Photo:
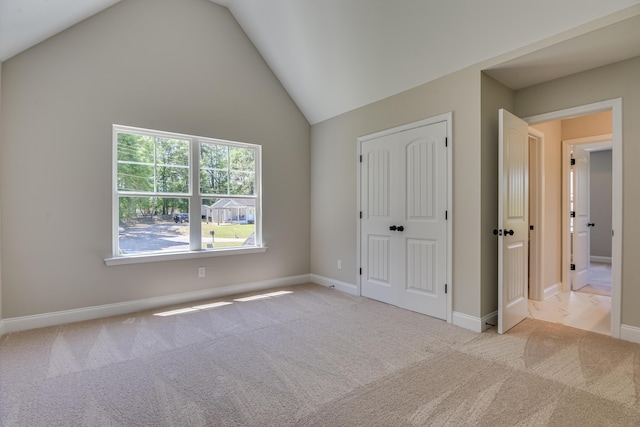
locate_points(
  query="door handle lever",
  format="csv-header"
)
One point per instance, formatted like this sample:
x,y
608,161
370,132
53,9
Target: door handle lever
x,y
400,228
497,232
508,232
590,224
393,228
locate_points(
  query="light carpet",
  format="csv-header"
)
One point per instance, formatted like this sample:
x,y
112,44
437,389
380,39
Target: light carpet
x,y
311,356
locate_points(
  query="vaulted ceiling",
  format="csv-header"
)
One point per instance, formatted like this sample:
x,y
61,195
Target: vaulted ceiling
x,y
333,56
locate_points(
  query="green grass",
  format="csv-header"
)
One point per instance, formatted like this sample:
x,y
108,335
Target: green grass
x,y
230,231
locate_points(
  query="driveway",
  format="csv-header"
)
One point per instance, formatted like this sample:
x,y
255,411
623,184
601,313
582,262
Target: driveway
x,y
163,236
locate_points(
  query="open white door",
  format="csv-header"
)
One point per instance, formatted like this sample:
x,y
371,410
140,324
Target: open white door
x,y
581,253
513,220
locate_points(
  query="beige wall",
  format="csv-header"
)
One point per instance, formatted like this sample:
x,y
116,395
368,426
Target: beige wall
x,y
600,181
589,125
618,80
494,97
334,179
177,65
552,251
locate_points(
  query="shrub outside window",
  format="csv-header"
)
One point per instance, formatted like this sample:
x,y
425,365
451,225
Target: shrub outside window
x,y
178,193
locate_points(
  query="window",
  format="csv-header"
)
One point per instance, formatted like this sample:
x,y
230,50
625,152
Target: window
x,y
178,194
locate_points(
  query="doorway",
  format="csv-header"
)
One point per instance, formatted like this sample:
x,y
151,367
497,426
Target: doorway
x,y
590,311
588,201
508,301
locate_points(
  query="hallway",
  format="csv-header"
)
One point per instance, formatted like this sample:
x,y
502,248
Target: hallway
x,y
588,309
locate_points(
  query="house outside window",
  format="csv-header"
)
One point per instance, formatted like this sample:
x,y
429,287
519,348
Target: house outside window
x,y
175,193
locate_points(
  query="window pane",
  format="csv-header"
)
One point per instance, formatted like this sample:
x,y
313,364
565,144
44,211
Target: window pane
x,y
172,152
172,165
135,162
242,183
228,223
214,169
135,148
135,177
172,179
153,224
242,159
214,181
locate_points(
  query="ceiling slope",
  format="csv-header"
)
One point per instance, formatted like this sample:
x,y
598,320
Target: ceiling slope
x,y
25,23
333,56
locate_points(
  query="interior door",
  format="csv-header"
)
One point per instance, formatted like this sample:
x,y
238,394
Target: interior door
x,y
379,205
581,252
403,226
513,221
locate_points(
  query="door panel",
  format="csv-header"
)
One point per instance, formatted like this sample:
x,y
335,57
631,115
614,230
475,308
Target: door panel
x,y
581,242
404,181
422,266
513,220
377,192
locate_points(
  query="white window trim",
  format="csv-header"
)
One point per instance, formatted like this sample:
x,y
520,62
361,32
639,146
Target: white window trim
x,y
194,197
176,256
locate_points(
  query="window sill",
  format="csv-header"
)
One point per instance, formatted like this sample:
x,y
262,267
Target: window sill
x,y
175,256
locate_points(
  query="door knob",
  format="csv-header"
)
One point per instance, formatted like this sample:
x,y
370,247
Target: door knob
x,y
590,224
393,228
497,232
508,232
400,228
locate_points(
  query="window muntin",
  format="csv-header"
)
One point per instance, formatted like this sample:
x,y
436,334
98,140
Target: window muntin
x,y
153,194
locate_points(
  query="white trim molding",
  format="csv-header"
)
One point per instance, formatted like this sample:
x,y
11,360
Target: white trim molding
x,y
88,313
630,333
473,323
552,290
345,287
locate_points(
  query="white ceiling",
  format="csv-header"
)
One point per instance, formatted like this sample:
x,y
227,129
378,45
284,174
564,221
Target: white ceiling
x,y
336,55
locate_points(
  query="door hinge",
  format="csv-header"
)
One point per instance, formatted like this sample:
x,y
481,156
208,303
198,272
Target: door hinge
x,y
360,214
446,141
531,227
445,288
446,215
361,271
573,162
360,158
573,267
573,214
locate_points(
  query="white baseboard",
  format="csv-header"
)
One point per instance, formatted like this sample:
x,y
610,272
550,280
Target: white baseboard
x,y
337,284
602,259
551,291
630,333
475,324
87,313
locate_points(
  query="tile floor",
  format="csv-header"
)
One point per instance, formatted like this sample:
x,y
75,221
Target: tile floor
x,y
578,309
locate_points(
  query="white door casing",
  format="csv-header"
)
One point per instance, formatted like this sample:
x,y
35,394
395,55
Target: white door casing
x,y
513,221
404,234
536,215
580,235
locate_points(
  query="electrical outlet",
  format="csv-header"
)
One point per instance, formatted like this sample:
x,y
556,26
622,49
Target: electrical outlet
x,y
201,272
339,264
